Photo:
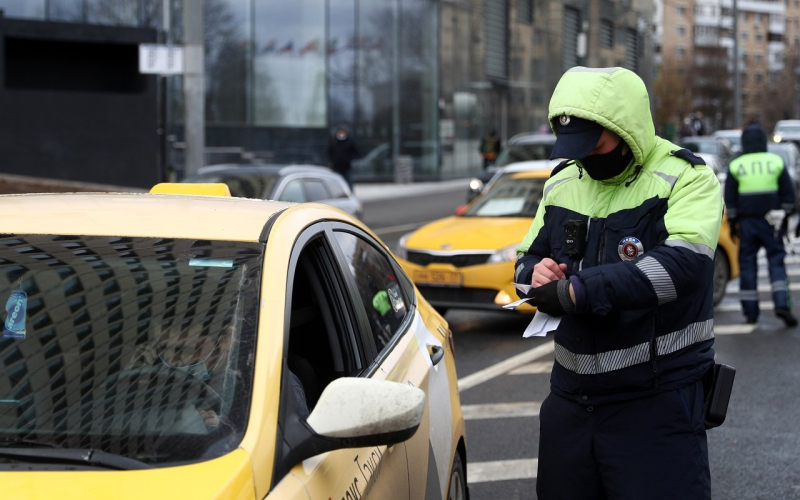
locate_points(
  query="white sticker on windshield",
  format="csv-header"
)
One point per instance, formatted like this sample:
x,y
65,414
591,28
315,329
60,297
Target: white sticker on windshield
x,y
502,206
211,262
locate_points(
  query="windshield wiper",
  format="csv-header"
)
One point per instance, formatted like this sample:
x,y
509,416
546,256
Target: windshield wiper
x,y
45,452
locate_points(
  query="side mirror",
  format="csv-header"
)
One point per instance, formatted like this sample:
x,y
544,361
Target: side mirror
x,y
461,209
353,413
366,412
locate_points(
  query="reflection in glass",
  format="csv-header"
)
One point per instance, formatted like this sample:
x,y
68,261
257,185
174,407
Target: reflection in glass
x,y
289,63
227,44
23,9
66,10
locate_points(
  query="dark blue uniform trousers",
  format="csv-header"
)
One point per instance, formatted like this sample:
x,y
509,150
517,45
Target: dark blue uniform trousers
x,y
755,232
649,448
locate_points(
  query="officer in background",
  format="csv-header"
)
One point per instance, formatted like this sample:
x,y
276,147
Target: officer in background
x,y
759,195
622,249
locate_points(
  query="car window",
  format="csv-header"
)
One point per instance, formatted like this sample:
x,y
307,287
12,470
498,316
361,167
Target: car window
x,y
335,190
139,347
293,191
377,285
509,198
788,128
316,191
524,152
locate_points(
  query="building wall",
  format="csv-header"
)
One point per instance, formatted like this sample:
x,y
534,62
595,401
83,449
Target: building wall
x,y
74,105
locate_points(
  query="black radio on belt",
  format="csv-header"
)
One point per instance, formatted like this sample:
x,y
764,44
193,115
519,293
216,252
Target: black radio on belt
x,y
575,238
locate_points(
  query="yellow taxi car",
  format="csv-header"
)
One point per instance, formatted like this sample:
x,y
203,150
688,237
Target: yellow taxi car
x,y
467,260
187,346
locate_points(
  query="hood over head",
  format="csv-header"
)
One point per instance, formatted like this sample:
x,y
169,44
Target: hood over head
x,y
754,139
615,98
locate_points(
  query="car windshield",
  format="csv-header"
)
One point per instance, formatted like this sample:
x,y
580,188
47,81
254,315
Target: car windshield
x,y
790,129
510,198
242,185
139,347
523,152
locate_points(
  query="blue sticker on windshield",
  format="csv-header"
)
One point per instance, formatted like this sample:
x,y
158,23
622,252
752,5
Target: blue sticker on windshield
x,y
211,262
16,309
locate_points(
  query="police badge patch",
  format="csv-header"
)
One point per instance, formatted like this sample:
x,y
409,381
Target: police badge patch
x,y
629,248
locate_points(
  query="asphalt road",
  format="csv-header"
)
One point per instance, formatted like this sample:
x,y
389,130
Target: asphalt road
x,y
755,454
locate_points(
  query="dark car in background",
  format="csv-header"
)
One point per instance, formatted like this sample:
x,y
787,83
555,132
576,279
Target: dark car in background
x,y
295,183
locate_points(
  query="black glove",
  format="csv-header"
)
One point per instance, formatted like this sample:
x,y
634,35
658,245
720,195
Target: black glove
x,y
785,226
552,298
733,226
797,230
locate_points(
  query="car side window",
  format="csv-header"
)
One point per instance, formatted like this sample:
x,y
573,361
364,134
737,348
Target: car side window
x,y
316,191
334,189
377,285
293,191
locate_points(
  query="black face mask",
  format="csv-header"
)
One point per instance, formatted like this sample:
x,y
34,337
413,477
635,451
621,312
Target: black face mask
x,y
608,165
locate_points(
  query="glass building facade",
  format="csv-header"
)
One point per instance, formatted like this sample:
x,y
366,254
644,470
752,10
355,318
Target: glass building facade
x,y
280,76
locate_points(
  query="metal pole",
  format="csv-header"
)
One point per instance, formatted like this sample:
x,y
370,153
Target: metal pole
x,y
395,83
193,86
164,96
737,94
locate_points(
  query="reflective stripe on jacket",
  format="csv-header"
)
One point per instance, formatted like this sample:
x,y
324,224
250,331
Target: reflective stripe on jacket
x,y
648,266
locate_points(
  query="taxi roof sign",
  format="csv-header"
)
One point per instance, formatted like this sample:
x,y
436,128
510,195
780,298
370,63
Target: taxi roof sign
x,y
202,189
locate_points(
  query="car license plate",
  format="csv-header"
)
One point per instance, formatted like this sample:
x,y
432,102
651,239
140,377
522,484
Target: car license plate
x,y
442,278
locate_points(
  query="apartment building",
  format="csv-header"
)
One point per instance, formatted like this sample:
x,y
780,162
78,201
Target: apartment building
x,y
501,59
695,40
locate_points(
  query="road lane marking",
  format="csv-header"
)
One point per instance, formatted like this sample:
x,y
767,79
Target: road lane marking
x,y
502,470
399,228
505,366
736,307
734,288
501,410
733,329
533,368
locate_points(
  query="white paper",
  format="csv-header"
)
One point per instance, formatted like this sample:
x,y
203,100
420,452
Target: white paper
x,y
541,324
522,288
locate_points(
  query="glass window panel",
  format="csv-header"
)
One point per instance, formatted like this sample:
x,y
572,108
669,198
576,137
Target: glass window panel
x,y
113,12
377,286
23,9
289,64
316,191
372,45
341,55
293,192
334,189
66,10
227,47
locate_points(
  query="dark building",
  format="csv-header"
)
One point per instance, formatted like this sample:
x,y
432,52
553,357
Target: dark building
x,y
74,104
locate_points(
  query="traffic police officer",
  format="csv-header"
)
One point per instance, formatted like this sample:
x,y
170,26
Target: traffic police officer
x,y
758,188
622,248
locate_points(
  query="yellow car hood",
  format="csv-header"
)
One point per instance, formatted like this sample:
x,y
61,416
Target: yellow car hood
x,y
470,233
228,477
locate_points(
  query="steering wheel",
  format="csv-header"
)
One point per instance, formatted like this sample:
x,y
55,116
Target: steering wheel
x,y
147,374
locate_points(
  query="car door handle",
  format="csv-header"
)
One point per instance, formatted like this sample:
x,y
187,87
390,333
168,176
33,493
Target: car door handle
x,y
436,352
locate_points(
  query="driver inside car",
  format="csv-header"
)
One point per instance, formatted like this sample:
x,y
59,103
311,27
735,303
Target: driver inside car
x,y
194,351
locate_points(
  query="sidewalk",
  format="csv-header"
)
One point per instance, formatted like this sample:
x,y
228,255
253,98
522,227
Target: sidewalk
x,y
372,192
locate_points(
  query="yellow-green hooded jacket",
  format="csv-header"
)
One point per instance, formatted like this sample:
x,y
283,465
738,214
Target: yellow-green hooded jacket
x,y
644,317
